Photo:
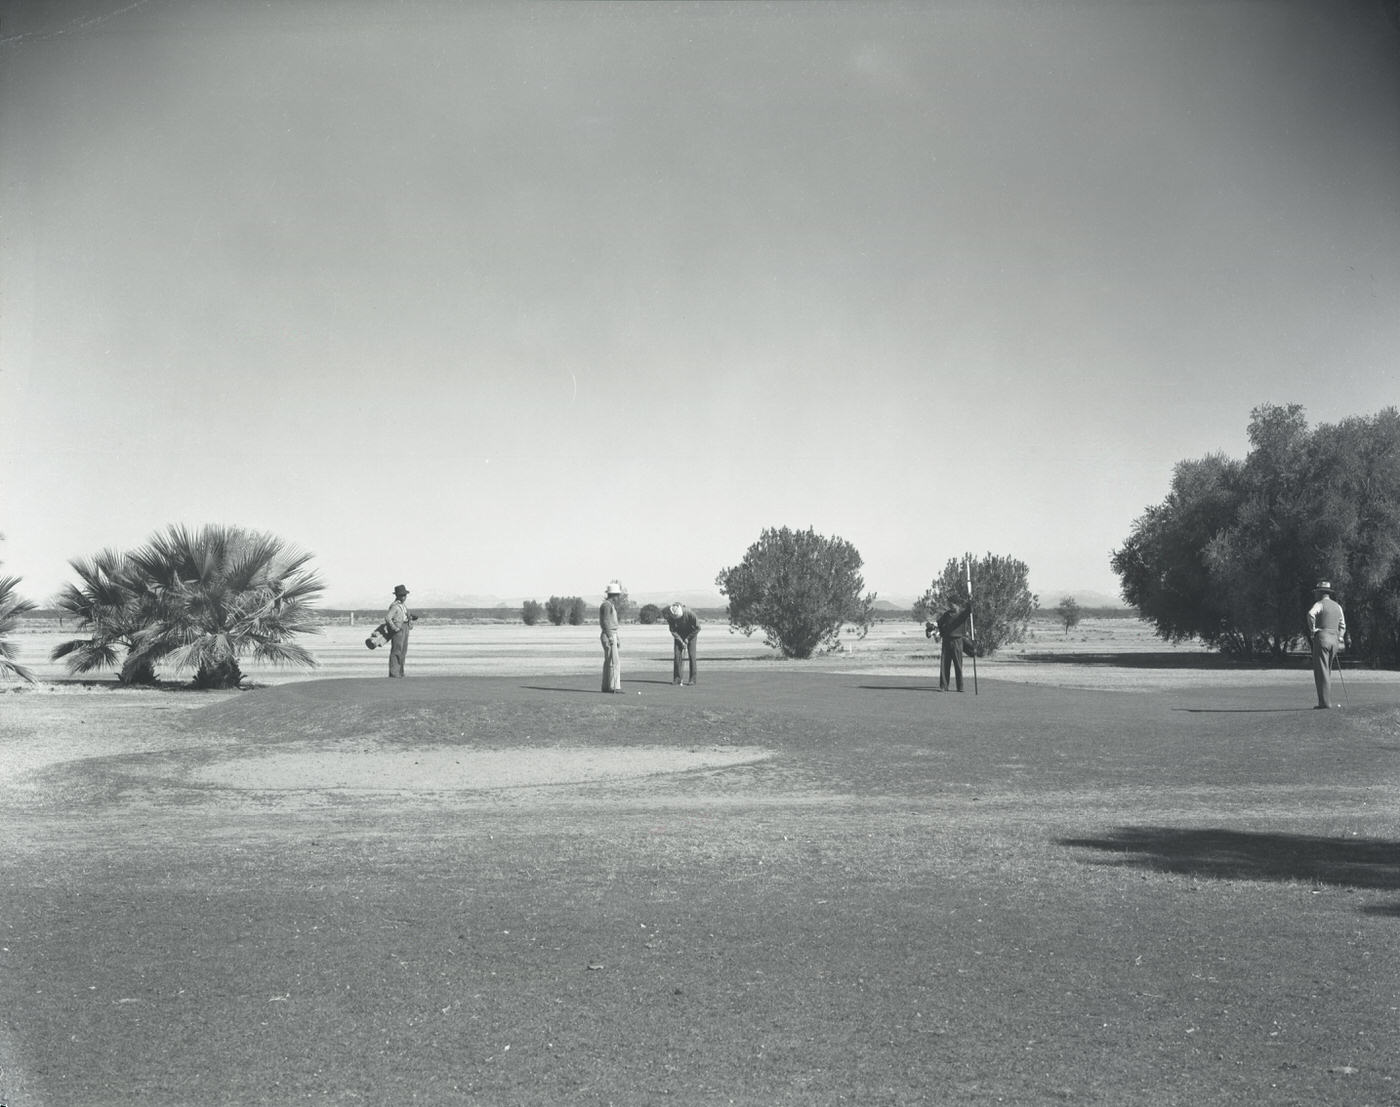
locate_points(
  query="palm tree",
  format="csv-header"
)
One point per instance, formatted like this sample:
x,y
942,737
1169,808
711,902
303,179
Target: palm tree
x,y
222,593
12,607
113,603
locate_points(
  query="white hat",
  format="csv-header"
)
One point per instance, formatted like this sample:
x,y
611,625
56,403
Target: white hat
x,y
614,588
676,609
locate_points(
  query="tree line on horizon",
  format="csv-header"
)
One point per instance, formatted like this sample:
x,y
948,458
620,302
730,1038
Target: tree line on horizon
x,y
201,600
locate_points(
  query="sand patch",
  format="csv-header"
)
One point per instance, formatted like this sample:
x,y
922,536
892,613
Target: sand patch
x,y
372,768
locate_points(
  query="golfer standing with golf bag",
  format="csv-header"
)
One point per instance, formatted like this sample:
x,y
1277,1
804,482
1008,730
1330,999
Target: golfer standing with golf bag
x,y
398,622
1327,627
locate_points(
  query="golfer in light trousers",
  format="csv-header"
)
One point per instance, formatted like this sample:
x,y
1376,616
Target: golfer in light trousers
x,y
612,654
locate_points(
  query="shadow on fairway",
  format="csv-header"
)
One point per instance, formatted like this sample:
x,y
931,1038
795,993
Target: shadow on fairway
x,y
898,687
1240,855
546,688
1241,710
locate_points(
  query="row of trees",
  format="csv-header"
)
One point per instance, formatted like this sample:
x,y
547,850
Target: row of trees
x,y
202,600
801,588
573,610
1231,556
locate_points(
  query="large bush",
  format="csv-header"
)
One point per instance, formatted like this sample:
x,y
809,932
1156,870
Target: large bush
x,y
1003,603
196,600
799,588
531,612
1231,555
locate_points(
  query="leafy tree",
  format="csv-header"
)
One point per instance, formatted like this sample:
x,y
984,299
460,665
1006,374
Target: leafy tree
x,y
531,612
1069,613
112,602
623,605
1004,602
1162,565
649,614
223,593
799,588
1259,555
1231,555
1354,502
578,611
556,609
12,608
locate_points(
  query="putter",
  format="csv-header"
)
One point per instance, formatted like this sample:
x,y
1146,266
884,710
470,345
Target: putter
x,y
1346,698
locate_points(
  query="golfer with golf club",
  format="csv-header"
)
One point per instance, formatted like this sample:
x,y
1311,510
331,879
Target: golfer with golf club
x,y
685,629
1327,627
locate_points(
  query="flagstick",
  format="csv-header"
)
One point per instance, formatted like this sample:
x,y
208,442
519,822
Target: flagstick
x,y
972,625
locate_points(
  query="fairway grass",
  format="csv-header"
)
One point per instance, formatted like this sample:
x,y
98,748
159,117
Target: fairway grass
x,y
784,886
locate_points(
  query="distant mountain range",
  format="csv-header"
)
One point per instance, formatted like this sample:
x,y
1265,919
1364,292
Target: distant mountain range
x,y
694,597
428,598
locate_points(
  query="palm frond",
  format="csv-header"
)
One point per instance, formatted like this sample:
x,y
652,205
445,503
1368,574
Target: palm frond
x,y
12,608
85,657
284,653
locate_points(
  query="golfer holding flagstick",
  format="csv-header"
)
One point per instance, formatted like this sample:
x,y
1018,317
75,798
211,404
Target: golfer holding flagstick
x,y
952,626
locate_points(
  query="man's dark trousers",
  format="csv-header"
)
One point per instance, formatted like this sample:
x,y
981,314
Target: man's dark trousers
x,y
951,662
676,650
398,650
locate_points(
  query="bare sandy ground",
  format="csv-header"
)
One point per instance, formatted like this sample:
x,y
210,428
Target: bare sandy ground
x,y
177,852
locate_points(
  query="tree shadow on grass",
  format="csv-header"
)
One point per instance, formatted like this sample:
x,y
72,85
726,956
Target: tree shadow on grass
x,y
1371,863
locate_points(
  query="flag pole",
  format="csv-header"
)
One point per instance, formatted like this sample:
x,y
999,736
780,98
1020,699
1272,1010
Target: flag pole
x,y
971,623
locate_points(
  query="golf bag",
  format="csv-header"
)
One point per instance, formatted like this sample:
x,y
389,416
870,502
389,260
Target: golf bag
x,y
380,637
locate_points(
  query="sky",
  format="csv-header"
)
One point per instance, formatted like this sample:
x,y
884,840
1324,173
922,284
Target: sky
x,y
503,301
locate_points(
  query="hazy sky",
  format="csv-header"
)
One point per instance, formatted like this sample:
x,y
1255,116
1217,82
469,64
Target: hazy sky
x,y
509,300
